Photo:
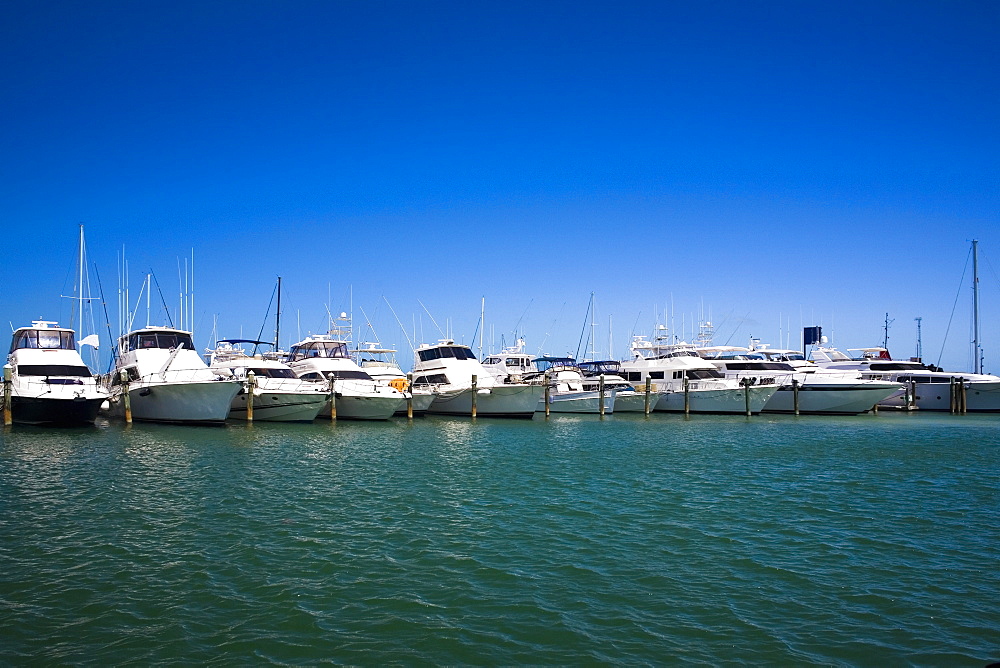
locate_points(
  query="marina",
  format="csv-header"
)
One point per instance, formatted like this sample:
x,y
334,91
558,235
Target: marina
x,y
500,334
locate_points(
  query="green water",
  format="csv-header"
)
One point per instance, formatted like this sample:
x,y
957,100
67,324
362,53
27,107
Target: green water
x,y
872,540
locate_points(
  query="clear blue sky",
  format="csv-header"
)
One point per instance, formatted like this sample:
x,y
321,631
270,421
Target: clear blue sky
x,y
763,164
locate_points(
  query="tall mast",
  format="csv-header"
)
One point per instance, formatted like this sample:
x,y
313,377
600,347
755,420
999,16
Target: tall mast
x,y
77,304
482,324
277,319
977,366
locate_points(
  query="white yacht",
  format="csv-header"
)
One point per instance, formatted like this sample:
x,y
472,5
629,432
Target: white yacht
x,y
50,382
278,394
512,364
820,391
448,368
380,364
167,380
570,391
922,386
358,396
667,366
627,398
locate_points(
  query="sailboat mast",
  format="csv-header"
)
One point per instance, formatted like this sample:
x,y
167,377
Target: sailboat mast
x,y
482,325
77,308
977,365
277,319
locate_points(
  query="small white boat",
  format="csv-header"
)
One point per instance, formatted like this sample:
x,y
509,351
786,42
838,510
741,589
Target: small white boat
x,y
278,394
627,398
357,395
449,369
570,391
50,384
380,364
167,380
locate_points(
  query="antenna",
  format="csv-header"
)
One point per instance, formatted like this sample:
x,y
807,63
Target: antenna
x,y
885,338
920,345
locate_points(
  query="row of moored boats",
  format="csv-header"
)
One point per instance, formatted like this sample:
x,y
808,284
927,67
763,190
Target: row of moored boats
x,y
159,376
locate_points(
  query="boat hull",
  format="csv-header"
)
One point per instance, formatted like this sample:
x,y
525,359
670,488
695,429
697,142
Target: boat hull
x,y
36,410
180,402
980,397
365,407
517,401
578,402
279,406
822,399
635,402
421,402
716,401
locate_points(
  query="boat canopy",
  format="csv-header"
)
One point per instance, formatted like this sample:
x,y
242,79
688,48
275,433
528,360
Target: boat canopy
x,y
607,367
545,363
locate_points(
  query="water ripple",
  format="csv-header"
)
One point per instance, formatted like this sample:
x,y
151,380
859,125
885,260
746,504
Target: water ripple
x,y
577,540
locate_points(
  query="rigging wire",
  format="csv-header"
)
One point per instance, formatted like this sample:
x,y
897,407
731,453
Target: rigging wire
x,y
954,306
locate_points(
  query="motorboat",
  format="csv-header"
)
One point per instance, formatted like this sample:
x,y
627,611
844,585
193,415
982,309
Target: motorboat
x,y
380,363
921,385
50,383
570,391
627,398
459,380
814,389
688,382
512,364
356,394
278,394
166,380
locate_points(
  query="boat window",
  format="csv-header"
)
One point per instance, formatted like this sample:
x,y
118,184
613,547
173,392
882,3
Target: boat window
x,y
273,373
50,339
758,366
492,360
632,376
428,355
448,352
431,379
513,361
656,375
312,375
702,374
896,366
347,374
72,370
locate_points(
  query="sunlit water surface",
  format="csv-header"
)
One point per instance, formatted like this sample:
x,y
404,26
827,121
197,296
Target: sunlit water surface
x,y
844,541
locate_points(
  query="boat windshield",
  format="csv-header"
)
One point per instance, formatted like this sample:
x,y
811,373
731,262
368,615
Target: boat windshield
x,y
896,366
440,352
677,353
759,366
609,367
50,339
273,373
162,340
347,374
72,370
312,349
702,374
